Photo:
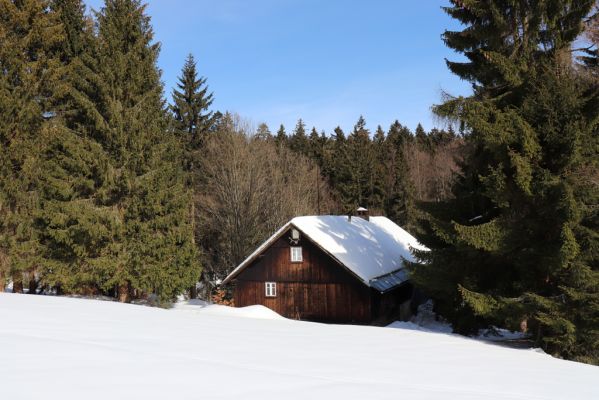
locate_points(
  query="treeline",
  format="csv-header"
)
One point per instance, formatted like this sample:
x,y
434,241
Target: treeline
x,y
517,245
250,181
387,172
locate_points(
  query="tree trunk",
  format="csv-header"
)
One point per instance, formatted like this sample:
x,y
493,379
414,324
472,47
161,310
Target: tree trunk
x,y
125,292
193,292
2,282
32,284
17,283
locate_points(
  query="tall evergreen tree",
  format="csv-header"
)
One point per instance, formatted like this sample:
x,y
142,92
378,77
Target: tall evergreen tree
x,y
298,141
422,139
316,146
364,186
76,27
336,169
30,35
73,223
135,231
158,255
281,137
400,199
509,248
191,103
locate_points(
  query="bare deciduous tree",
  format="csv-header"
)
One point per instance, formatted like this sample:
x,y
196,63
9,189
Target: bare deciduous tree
x,y
432,173
251,187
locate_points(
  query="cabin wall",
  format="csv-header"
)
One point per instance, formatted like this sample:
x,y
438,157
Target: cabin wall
x,y
392,305
316,289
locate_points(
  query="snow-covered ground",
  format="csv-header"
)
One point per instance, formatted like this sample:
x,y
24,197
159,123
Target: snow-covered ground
x,y
65,348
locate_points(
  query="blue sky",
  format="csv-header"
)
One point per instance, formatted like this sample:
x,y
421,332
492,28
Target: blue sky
x,y
325,61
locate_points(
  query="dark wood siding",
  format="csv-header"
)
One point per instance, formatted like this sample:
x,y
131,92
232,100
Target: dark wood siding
x,y
316,289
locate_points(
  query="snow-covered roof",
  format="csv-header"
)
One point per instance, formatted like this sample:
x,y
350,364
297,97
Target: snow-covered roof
x,y
373,250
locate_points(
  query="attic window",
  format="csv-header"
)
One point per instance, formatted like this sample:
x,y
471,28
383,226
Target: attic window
x,y
296,254
271,289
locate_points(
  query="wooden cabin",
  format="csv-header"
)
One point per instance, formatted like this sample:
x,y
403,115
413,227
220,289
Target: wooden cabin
x,y
331,269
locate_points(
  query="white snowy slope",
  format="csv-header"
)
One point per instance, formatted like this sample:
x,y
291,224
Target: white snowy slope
x,y
64,348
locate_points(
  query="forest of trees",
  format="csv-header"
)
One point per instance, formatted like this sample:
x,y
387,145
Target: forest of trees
x,y
109,186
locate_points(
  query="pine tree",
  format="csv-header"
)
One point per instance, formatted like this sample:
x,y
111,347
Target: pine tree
x,y
316,146
191,102
422,139
73,224
364,187
281,138
76,27
158,253
298,141
336,169
400,201
121,185
30,35
508,249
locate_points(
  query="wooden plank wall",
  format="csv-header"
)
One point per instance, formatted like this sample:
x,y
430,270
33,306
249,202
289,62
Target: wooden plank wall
x,y
317,289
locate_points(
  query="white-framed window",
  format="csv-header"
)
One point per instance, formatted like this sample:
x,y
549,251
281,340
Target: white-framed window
x,y
271,289
296,254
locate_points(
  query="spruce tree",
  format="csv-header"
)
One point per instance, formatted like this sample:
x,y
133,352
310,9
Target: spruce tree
x,y
76,27
281,137
30,34
337,169
192,123
316,144
130,210
158,253
191,103
74,226
364,186
511,248
298,141
422,139
400,198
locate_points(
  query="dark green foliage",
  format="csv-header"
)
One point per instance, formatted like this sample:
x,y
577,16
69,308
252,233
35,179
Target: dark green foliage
x,y
281,137
78,233
364,187
400,191
517,246
423,140
29,37
191,102
76,28
298,141
337,169
116,213
316,146
147,189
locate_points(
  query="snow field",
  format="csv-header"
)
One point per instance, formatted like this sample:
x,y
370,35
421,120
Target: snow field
x,y
65,348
